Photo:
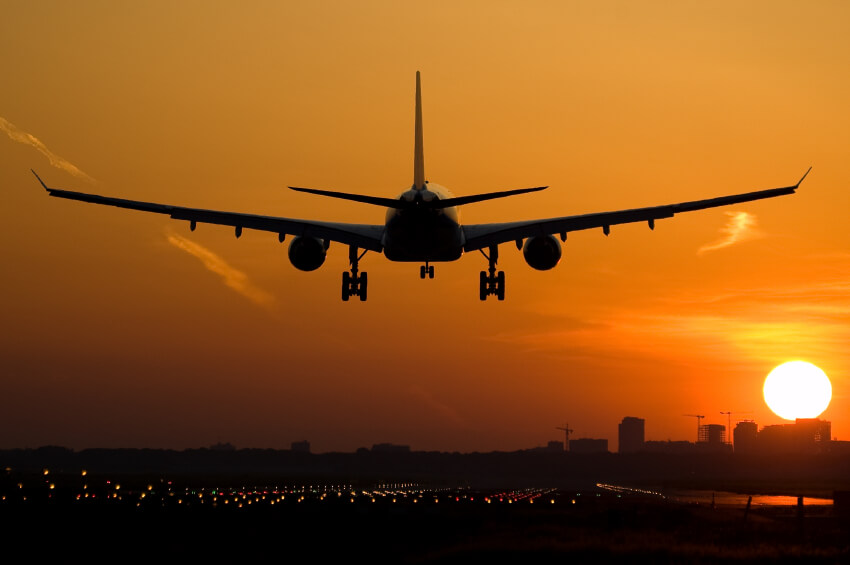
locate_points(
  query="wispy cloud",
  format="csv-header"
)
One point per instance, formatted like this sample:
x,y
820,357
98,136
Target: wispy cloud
x,y
804,318
437,406
29,139
232,278
741,226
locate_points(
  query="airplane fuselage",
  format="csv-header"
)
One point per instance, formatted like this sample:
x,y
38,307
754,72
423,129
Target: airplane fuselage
x,y
421,234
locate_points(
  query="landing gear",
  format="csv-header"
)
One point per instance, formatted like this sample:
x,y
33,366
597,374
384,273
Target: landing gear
x,y
491,282
354,283
426,269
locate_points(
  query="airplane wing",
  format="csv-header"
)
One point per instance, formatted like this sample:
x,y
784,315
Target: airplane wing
x,y
360,235
484,235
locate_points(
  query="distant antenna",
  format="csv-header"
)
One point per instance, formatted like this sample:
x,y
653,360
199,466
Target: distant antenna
x,y
699,418
567,431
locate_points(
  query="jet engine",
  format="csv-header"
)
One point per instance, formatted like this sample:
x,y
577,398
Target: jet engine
x,y
542,252
307,253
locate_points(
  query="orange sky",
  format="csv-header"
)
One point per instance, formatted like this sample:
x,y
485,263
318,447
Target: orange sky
x,y
126,329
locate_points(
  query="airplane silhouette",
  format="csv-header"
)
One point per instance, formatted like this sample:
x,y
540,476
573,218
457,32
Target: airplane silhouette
x,y
422,226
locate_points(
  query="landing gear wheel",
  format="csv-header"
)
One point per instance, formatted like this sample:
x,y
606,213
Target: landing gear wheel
x,y
346,286
431,272
362,285
490,282
353,282
422,272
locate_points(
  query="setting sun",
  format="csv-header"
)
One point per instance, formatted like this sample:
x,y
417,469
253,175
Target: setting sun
x,y
797,389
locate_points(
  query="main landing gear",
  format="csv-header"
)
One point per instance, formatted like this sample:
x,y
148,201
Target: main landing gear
x,y
426,269
354,283
490,281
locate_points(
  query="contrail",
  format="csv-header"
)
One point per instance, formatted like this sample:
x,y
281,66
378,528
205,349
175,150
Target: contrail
x,y
233,278
740,227
28,139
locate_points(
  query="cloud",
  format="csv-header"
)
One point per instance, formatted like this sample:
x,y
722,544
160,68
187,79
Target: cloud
x,y
28,139
447,412
232,278
741,226
726,328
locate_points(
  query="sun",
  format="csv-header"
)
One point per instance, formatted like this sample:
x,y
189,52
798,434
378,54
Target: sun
x,y
797,389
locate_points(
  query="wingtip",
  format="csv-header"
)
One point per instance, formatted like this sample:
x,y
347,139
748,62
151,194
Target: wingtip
x,y
39,180
804,176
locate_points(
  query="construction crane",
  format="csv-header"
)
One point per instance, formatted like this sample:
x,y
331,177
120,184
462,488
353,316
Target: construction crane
x,y
567,431
729,428
699,418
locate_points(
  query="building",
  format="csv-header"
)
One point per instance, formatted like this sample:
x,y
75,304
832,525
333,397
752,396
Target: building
x,y
631,435
555,447
804,436
588,445
300,446
712,439
712,433
551,447
223,447
746,436
390,448
670,447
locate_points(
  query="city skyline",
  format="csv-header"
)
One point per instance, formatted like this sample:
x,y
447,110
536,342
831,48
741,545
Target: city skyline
x,y
123,330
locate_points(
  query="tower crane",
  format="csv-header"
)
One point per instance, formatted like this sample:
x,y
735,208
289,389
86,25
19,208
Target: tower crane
x,y
699,418
567,431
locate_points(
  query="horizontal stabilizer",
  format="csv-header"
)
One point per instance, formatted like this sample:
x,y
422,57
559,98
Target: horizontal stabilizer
x,y
376,200
406,204
460,200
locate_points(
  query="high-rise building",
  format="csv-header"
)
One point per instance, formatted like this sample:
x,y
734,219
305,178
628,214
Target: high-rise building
x,y
746,436
712,433
631,435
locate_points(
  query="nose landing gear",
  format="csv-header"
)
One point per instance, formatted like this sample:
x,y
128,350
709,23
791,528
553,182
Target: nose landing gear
x,y
491,282
354,283
426,269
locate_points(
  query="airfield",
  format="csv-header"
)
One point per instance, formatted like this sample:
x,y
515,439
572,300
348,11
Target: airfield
x,y
85,517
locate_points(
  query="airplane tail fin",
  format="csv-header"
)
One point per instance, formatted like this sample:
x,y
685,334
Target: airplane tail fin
x,y
418,147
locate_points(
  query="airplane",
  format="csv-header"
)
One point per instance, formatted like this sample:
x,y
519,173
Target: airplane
x,y
422,225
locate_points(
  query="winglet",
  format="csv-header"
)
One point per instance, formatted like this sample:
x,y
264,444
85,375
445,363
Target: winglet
x,y
803,178
47,188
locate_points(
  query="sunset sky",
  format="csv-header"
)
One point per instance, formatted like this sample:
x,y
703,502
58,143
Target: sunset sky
x,y
125,329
